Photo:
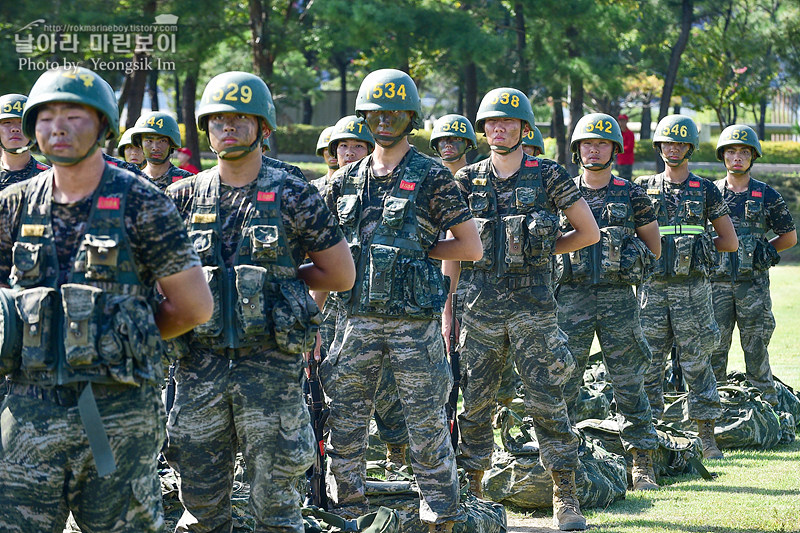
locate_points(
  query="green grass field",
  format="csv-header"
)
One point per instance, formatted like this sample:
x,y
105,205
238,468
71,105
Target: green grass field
x,y
755,491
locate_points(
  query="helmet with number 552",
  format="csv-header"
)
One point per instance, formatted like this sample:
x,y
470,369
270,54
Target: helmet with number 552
x,y
738,134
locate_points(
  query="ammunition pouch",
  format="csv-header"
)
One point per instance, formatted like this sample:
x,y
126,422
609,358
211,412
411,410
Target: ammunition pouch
x,y
10,333
296,317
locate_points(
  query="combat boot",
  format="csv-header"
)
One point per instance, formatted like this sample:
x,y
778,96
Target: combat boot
x,y
444,527
566,509
644,477
705,430
475,478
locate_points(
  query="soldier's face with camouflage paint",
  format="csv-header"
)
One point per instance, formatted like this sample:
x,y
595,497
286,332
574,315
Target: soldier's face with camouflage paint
x,y
673,153
503,131
386,126
451,147
155,146
349,150
66,129
11,133
737,157
226,130
133,154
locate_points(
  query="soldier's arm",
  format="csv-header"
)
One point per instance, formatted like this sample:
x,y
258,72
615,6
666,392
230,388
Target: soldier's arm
x,y
784,241
585,232
187,302
652,238
464,245
726,240
331,269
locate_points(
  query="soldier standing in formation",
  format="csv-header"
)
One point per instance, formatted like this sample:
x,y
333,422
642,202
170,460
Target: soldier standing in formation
x,y
252,220
329,157
16,162
533,142
595,294
510,307
675,305
392,206
128,151
740,282
158,134
83,421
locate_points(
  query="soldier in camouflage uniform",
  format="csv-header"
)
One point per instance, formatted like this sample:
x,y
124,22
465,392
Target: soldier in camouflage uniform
x,y
252,220
330,158
675,305
392,206
510,307
158,135
128,151
740,282
16,162
82,246
595,295
533,142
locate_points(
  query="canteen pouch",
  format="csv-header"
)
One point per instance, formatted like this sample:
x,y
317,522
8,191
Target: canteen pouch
x,y
381,267
26,268
35,309
542,229
250,300
82,313
204,242
264,243
636,262
296,318
691,212
746,253
102,253
486,232
514,226
611,239
394,211
525,199
682,263
765,256
617,213
213,327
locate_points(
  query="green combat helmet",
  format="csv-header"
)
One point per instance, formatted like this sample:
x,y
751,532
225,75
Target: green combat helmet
x,y
124,141
11,106
390,90
453,126
596,126
237,92
324,139
678,129
350,127
505,102
77,85
157,123
739,134
534,138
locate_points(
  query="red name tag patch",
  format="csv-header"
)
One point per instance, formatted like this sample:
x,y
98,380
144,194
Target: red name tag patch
x,y
107,203
756,194
531,163
694,184
407,185
265,196
41,166
112,163
618,181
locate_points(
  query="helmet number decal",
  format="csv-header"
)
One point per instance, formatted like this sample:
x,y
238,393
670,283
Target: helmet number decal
x,y
152,120
676,129
234,94
352,126
601,125
505,99
16,106
740,135
87,79
387,90
455,126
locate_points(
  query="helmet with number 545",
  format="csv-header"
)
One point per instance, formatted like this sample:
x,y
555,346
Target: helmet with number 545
x,y
453,126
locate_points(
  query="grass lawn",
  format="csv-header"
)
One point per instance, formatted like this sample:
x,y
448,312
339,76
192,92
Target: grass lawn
x,y
755,491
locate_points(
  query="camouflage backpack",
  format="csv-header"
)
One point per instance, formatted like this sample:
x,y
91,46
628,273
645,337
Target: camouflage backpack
x,y
788,408
518,478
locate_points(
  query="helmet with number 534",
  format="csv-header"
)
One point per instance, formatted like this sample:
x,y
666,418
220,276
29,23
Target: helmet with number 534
x,y
389,90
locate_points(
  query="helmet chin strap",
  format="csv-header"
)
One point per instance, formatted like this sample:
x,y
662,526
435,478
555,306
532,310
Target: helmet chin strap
x,y
20,150
237,152
159,161
454,158
70,161
673,164
595,166
505,150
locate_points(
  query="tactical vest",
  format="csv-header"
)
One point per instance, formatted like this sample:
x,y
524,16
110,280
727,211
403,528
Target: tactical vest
x,y
394,275
98,326
617,258
518,244
745,263
258,301
686,247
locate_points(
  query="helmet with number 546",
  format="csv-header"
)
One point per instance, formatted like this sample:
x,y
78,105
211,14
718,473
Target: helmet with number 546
x,y
676,129
389,90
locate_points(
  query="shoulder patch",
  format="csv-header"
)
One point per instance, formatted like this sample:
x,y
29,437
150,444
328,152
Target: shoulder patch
x,y
175,178
694,184
756,194
112,163
263,196
407,185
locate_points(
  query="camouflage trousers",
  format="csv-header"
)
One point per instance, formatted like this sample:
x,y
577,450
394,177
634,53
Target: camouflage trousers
x,y
680,311
253,405
414,349
495,324
612,313
47,468
748,305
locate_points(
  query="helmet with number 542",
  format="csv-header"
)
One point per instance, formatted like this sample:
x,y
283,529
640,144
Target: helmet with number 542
x,y
389,90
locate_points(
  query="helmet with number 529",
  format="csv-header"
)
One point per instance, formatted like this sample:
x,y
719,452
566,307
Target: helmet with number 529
x,y
389,90
236,92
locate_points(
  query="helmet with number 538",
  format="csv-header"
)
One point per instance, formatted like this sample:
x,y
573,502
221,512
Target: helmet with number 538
x,y
389,90
504,102
236,92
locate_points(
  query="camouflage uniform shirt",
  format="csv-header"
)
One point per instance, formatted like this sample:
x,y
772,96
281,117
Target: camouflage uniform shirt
x,y
643,213
10,177
169,177
778,217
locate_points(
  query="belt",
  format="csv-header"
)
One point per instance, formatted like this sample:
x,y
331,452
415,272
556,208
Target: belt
x,y
63,395
682,229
